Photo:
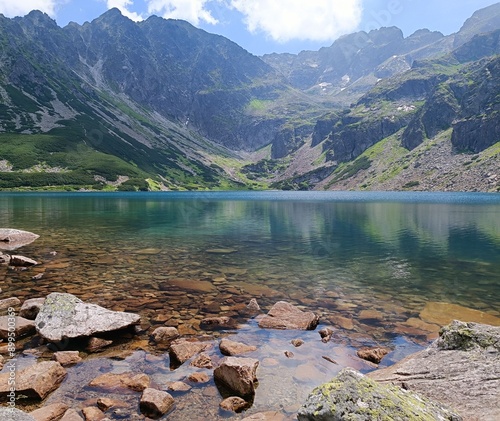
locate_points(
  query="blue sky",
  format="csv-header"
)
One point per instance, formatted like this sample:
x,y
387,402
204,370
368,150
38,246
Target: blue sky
x,y
265,26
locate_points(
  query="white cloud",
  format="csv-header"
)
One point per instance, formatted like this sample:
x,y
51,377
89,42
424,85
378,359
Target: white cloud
x,y
122,5
315,20
193,11
11,8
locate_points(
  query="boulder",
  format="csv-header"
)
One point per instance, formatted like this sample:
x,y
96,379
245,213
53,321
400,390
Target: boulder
x,y
31,308
182,350
155,403
22,261
238,374
460,369
22,326
67,358
165,335
234,404
9,302
52,412
284,315
36,381
229,347
11,239
374,355
112,381
13,414
66,316
350,395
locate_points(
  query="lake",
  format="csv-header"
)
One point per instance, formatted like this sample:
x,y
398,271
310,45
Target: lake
x,y
381,268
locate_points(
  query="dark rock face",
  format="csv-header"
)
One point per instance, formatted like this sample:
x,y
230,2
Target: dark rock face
x,y
462,362
353,396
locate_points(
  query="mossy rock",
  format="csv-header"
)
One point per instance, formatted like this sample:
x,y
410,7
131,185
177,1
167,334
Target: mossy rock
x,y
354,397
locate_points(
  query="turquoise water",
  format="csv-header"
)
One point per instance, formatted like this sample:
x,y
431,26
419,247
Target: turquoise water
x,y
370,264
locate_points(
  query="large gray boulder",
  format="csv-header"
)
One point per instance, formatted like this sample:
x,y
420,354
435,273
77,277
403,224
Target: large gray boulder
x,y
11,239
13,414
66,316
352,396
284,315
460,369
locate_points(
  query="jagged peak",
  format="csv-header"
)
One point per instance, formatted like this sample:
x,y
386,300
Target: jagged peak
x,y
37,18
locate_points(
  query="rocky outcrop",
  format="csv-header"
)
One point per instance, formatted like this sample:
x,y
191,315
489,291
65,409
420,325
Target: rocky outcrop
x,y
351,395
284,315
238,374
35,381
459,369
11,239
66,316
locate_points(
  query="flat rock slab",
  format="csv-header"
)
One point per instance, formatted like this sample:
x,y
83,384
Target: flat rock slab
x,y
284,315
66,316
22,326
460,369
444,313
188,285
50,412
12,239
182,350
36,381
13,414
229,347
352,396
112,381
9,302
17,260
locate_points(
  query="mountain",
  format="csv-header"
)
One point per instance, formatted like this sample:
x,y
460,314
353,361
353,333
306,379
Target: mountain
x,y
160,104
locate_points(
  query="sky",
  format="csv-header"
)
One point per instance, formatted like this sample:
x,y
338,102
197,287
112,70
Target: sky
x,y
266,26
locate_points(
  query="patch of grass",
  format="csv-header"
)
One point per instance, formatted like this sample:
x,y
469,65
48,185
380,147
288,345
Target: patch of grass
x,y
350,169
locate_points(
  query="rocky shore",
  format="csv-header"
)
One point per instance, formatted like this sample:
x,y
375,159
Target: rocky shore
x,y
76,360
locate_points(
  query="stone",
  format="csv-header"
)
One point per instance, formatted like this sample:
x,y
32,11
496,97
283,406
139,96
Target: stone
x,y
31,308
374,355
253,305
11,239
326,334
217,322
444,313
284,315
9,302
350,395
178,387
238,374
165,335
297,342
202,361
459,369
234,404
17,260
91,413
97,344
222,251
22,326
229,347
51,412
199,377
420,324
36,381
371,315
71,415
67,358
195,285
182,350
66,316
266,416
155,403
14,414
112,381
105,404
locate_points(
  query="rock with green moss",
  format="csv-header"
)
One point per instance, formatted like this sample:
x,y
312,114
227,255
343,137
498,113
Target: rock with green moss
x,y
352,396
468,336
66,316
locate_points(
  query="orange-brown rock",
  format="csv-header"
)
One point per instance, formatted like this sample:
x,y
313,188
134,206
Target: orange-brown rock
x,y
444,313
111,381
229,347
284,315
52,412
374,355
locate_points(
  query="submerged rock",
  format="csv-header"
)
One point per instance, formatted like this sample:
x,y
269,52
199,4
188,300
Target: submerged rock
x,y
461,369
444,313
284,315
16,260
353,396
66,316
229,347
112,381
35,381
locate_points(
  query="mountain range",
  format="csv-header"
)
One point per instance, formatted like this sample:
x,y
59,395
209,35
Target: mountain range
x,y
159,104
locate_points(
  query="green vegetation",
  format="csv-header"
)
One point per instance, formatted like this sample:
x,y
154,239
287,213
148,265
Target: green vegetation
x,y
347,170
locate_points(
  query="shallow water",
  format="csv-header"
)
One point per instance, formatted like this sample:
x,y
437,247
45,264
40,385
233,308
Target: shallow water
x,y
368,263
